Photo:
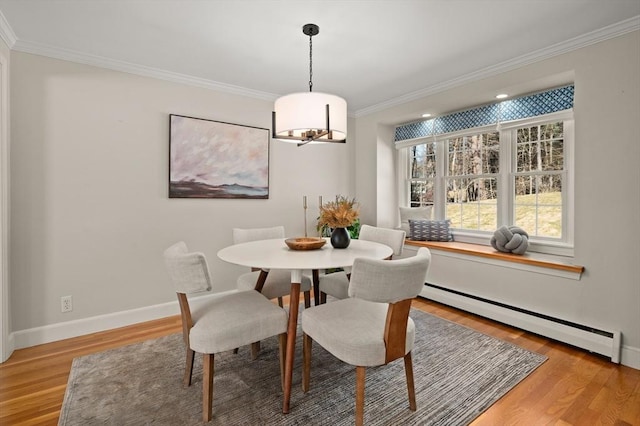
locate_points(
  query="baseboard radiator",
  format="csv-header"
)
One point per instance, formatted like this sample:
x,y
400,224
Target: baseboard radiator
x,y
607,343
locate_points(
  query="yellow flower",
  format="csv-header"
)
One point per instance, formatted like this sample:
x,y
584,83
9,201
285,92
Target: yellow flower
x,y
339,214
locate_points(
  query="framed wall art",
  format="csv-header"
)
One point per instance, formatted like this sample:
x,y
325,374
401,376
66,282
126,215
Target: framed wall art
x,y
213,159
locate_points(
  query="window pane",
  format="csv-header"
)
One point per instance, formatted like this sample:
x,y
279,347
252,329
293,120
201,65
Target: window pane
x,y
462,190
488,215
552,131
454,214
480,216
540,148
421,193
474,154
491,154
416,161
526,157
422,161
551,155
472,203
457,163
538,205
550,221
469,215
523,135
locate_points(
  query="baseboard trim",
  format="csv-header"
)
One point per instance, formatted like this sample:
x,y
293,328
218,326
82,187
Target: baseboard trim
x,y
627,355
630,356
8,348
68,329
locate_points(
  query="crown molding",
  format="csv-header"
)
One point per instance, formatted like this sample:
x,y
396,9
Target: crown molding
x,y
605,33
131,68
6,32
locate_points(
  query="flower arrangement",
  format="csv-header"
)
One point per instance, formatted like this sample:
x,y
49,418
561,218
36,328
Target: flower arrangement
x,y
341,213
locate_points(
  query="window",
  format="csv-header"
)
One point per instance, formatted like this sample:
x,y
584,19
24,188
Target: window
x,y
506,163
484,178
471,181
423,173
538,175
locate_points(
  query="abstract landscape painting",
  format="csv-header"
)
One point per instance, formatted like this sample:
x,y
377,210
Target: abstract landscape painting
x,y
212,159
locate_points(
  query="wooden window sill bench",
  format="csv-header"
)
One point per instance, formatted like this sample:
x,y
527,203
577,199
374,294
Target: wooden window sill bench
x,y
525,261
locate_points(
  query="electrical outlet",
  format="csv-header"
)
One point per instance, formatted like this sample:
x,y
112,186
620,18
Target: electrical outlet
x,y
66,304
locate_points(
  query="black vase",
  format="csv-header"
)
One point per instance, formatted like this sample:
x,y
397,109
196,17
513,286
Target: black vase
x,y
340,238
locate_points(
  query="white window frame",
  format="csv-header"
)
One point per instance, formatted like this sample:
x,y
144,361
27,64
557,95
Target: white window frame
x,y
505,214
560,246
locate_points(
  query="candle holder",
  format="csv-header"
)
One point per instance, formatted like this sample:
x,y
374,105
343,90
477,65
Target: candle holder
x,y
305,243
304,206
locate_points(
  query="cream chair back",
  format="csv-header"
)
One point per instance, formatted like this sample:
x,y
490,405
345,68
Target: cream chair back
x,y
393,238
188,271
241,235
389,281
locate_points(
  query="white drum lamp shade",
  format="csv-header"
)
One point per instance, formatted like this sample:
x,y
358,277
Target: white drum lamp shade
x,y
303,116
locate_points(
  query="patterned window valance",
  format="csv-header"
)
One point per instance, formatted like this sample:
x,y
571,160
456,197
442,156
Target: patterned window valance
x,y
554,100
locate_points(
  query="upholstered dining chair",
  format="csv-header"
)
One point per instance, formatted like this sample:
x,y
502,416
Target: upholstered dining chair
x,y
278,282
222,323
372,327
336,284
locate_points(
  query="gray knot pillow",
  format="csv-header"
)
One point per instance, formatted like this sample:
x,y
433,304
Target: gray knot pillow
x,y
510,239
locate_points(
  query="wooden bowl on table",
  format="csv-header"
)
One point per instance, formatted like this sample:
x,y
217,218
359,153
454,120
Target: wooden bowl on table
x,y
305,243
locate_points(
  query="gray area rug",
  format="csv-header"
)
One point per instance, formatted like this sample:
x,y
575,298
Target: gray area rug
x,y
459,373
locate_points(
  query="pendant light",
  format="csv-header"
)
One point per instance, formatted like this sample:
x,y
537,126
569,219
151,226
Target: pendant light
x,y
310,117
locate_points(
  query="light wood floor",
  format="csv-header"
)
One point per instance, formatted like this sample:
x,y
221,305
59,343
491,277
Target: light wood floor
x,y
572,387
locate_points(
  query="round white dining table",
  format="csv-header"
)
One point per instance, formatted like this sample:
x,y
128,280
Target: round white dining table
x,y
275,254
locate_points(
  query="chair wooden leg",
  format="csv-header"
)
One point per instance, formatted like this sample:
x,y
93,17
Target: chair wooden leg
x,y
280,302
207,386
307,299
316,286
282,352
408,369
306,361
188,369
255,349
323,297
360,379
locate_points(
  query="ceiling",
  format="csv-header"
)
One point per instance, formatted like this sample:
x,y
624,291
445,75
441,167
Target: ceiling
x,y
372,53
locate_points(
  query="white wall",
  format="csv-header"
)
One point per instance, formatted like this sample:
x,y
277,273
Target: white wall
x,y
89,170
607,194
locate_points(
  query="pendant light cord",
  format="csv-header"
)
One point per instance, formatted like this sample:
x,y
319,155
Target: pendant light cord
x,y
310,63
